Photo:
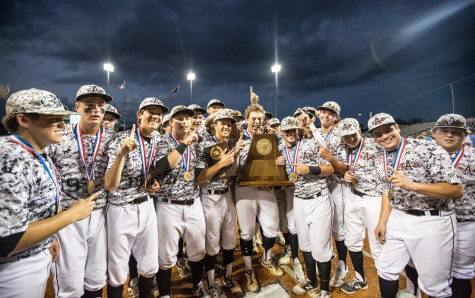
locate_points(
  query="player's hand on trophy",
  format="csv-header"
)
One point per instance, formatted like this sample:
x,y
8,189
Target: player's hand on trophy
x,y
227,158
350,177
254,98
280,161
301,169
130,143
80,209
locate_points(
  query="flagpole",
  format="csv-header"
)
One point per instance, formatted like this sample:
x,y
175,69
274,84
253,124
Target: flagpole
x,y
123,110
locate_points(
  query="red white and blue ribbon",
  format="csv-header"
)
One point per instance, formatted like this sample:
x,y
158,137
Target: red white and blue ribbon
x,y
296,156
327,137
397,159
185,157
146,161
353,159
82,153
458,157
215,139
50,170
249,134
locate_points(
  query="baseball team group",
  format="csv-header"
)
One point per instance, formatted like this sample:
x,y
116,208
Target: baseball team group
x,y
94,206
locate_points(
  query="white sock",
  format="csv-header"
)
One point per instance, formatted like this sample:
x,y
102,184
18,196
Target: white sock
x,y
268,254
358,276
229,270
247,262
211,280
341,265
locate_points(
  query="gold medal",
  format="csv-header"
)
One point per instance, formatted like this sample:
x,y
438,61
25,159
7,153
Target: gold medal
x,y
90,186
390,194
187,176
58,210
354,183
294,177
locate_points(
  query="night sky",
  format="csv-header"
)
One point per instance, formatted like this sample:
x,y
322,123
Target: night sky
x,y
369,56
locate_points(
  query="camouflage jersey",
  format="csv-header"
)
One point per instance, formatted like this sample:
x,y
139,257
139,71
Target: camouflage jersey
x,y
27,194
465,206
201,163
69,162
368,181
306,186
422,162
334,142
132,182
174,186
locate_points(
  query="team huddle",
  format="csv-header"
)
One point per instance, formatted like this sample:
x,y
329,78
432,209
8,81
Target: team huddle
x,y
93,206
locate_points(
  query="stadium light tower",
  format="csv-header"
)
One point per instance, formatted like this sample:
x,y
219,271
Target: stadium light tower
x,y
275,69
109,68
190,77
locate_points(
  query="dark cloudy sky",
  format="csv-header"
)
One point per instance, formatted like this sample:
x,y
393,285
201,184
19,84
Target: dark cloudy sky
x,y
366,55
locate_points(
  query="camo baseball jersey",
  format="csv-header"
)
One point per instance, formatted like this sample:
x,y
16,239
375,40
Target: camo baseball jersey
x,y
333,141
132,184
306,186
368,181
423,162
174,186
201,163
27,194
465,169
67,158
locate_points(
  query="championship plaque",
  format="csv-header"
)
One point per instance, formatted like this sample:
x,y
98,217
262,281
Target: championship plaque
x,y
213,156
260,168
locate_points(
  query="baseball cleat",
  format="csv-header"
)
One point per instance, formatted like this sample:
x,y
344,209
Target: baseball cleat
x,y
252,284
405,294
133,288
273,268
339,277
200,291
354,285
298,271
183,272
154,291
233,286
324,294
280,240
216,292
285,258
304,288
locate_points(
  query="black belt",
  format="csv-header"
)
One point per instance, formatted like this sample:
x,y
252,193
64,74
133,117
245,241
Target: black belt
x,y
464,220
139,200
16,258
313,197
180,202
218,191
422,213
358,193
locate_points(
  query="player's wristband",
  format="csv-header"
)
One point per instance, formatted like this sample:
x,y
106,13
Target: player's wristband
x,y
181,148
315,170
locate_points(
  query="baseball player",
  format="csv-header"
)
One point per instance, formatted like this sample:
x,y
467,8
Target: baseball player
x,y
131,217
197,119
329,113
274,124
311,208
357,160
179,210
165,127
252,202
111,117
218,204
30,194
212,109
417,218
81,160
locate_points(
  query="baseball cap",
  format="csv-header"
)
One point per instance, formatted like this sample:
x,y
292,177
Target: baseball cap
x,y
215,102
153,101
380,120
289,123
36,101
181,109
269,115
166,118
197,108
92,91
236,113
452,120
224,115
113,111
274,121
331,106
348,126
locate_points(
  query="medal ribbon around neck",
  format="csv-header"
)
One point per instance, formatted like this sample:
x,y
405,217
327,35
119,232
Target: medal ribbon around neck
x,y
353,161
185,157
296,155
146,162
458,157
327,137
397,159
215,139
17,139
249,134
82,153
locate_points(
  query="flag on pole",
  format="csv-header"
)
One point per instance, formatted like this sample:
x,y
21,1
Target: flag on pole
x,y
176,89
121,87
